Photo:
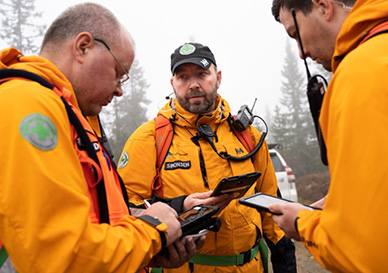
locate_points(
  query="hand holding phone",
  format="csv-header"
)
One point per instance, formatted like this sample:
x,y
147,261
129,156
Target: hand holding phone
x,y
195,236
198,218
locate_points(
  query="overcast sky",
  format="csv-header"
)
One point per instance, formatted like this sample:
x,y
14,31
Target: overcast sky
x,y
247,42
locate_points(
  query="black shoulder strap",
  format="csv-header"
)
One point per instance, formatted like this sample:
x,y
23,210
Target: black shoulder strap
x,y
102,201
18,73
104,142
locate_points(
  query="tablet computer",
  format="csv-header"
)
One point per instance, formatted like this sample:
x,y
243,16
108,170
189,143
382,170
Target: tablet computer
x,y
237,185
261,201
197,218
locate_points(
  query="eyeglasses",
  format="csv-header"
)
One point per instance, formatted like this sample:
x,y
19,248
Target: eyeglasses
x,y
316,88
346,7
126,76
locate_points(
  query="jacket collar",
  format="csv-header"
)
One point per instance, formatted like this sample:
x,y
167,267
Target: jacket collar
x,y
364,15
12,58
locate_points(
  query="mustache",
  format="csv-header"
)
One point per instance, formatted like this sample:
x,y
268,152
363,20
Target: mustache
x,y
194,93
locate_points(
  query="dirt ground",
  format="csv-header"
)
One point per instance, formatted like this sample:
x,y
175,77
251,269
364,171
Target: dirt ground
x,y
305,263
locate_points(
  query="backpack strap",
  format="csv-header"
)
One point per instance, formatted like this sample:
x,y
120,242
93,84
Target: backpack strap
x,y
243,136
11,74
102,201
164,132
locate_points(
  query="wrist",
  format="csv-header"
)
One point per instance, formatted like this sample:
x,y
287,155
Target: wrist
x,y
159,226
296,225
177,203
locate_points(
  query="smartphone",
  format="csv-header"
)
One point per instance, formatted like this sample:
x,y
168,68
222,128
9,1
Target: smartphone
x,y
237,185
194,236
261,201
197,218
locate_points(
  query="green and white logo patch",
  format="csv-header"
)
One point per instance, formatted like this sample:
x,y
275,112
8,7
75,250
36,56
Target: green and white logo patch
x,y
123,160
40,131
187,49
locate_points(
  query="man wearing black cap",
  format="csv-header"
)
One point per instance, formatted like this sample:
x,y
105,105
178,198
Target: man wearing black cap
x,y
192,168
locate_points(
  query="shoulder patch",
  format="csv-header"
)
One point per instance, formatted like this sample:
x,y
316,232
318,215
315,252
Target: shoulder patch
x,y
40,131
123,160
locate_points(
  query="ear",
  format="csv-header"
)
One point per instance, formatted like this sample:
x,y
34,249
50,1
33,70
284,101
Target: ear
x,y
325,8
219,77
81,45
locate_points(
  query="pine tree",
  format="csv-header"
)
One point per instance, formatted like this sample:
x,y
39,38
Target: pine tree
x,y
17,29
122,117
294,100
279,128
293,127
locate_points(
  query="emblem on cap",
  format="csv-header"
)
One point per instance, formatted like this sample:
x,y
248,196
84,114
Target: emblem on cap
x,y
187,49
40,131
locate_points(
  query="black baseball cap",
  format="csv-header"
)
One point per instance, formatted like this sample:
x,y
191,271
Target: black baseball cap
x,y
192,53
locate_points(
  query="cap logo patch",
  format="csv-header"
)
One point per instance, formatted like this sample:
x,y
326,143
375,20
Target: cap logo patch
x,y
40,131
205,63
187,49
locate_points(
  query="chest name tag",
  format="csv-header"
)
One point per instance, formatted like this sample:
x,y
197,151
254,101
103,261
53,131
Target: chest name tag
x,y
177,165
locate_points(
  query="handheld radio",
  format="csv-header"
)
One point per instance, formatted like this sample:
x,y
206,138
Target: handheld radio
x,y
244,117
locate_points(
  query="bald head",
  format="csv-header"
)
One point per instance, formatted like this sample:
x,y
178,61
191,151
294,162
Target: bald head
x,y
93,51
86,17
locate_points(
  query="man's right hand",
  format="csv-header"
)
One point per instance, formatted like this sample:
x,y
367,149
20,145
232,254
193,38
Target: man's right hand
x,y
167,215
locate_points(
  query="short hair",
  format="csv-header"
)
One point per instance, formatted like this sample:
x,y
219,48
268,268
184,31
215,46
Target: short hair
x,y
86,17
305,6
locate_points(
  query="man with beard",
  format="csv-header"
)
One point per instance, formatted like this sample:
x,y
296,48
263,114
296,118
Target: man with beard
x,y
193,168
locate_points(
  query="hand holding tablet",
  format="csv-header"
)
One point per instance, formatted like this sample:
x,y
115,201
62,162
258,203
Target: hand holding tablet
x,y
237,185
261,201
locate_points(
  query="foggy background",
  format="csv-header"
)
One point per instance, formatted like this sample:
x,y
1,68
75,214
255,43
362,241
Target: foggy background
x,y
254,53
247,42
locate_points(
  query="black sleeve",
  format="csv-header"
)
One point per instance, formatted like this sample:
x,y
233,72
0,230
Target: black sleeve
x,y
176,203
282,255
